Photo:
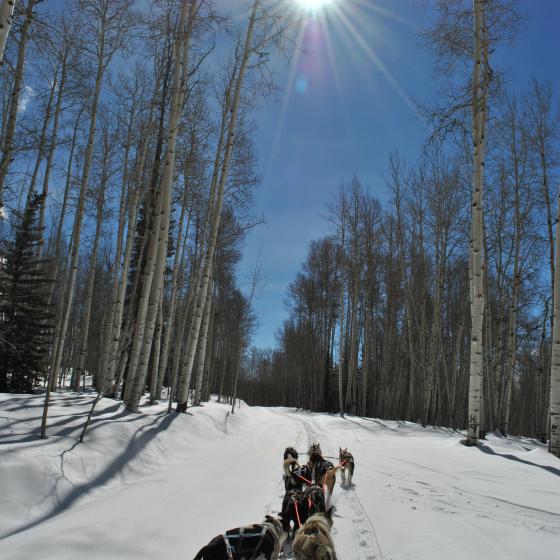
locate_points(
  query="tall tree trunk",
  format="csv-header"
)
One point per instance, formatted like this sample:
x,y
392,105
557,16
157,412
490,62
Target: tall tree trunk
x,y
76,231
8,145
202,354
479,87
43,137
156,373
88,302
152,284
512,326
53,140
6,15
554,443
202,289
178,264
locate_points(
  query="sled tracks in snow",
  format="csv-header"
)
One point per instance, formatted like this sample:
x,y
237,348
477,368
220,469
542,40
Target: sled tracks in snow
x,y
366,542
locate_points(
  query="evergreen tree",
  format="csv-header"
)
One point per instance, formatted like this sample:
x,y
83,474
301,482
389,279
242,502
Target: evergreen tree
x,y
25,320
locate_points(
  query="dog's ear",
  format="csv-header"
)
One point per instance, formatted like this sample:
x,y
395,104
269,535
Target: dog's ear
x,y
329,512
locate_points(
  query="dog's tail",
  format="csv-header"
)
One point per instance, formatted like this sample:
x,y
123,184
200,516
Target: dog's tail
x,y
289,461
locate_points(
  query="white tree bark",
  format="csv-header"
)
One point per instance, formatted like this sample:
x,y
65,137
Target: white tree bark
x,y
516,281
111,359
92,271
53,138
155,360
6,14
8,145
178,264
479,86
152,285
104,54
202,346
202,289
554,443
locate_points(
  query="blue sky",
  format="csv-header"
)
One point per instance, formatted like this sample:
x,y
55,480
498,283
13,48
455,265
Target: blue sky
x,y
341,115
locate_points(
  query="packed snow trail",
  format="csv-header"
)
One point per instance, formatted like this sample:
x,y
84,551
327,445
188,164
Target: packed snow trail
x,y
153,485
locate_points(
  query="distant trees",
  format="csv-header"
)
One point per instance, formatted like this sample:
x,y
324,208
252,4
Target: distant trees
x,y
410,313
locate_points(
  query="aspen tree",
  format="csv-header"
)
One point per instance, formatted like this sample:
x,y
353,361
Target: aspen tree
x,y
8,144
88,302
68,48
110,24
478,107
202,352
157,245
554,442
202,289
6,15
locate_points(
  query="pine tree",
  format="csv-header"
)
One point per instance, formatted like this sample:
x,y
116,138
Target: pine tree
x,y
25,320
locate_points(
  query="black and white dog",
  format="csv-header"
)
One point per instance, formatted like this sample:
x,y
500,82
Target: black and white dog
x,y
298,506
295,475
323,471
346,460
260,540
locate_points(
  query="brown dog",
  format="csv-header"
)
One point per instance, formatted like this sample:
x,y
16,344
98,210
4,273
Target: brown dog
x,y
313,539
346,460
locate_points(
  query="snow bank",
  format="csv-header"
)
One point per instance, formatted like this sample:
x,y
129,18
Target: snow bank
x,y
156,485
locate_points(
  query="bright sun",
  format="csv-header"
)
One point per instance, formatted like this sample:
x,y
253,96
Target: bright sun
x,y
313,4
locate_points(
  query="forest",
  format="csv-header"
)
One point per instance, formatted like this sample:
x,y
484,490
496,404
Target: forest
x,y
127,177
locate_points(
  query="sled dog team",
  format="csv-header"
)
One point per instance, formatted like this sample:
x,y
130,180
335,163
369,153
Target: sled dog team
x,y
306,515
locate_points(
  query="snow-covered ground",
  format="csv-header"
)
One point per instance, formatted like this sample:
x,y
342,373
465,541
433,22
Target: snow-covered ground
x,y
153,485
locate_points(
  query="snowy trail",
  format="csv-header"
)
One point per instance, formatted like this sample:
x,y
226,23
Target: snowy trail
x,y
157,486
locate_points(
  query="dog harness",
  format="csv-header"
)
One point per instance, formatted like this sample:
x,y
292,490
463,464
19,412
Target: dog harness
x,y
242,541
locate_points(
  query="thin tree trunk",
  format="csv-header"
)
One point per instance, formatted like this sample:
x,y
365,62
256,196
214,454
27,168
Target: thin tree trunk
x,y
6,15
53,141
554,443
178,264
42,138
156,373
202,355
152,284
76,231
477,276
8,145
91,274
202,290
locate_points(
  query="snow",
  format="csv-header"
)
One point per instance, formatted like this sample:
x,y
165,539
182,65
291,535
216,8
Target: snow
x,y
153,485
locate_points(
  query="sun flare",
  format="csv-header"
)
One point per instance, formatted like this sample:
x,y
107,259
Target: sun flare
x,y
313,5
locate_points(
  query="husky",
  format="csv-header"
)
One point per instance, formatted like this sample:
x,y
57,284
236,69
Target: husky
x,y
313,540
289,465
298,506
346,460
323,471
260,540
295,475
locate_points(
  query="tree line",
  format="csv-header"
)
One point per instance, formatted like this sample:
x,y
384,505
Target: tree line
x,y
126,182
437,305
126,179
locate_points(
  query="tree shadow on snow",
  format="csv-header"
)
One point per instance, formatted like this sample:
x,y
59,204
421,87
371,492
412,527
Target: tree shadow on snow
x,y
55,429
489,451
136,445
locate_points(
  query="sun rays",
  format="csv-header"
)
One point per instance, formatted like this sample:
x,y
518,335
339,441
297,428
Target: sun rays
x,y
364,28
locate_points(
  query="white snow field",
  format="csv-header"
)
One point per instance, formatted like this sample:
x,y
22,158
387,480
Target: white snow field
x,y
160,486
